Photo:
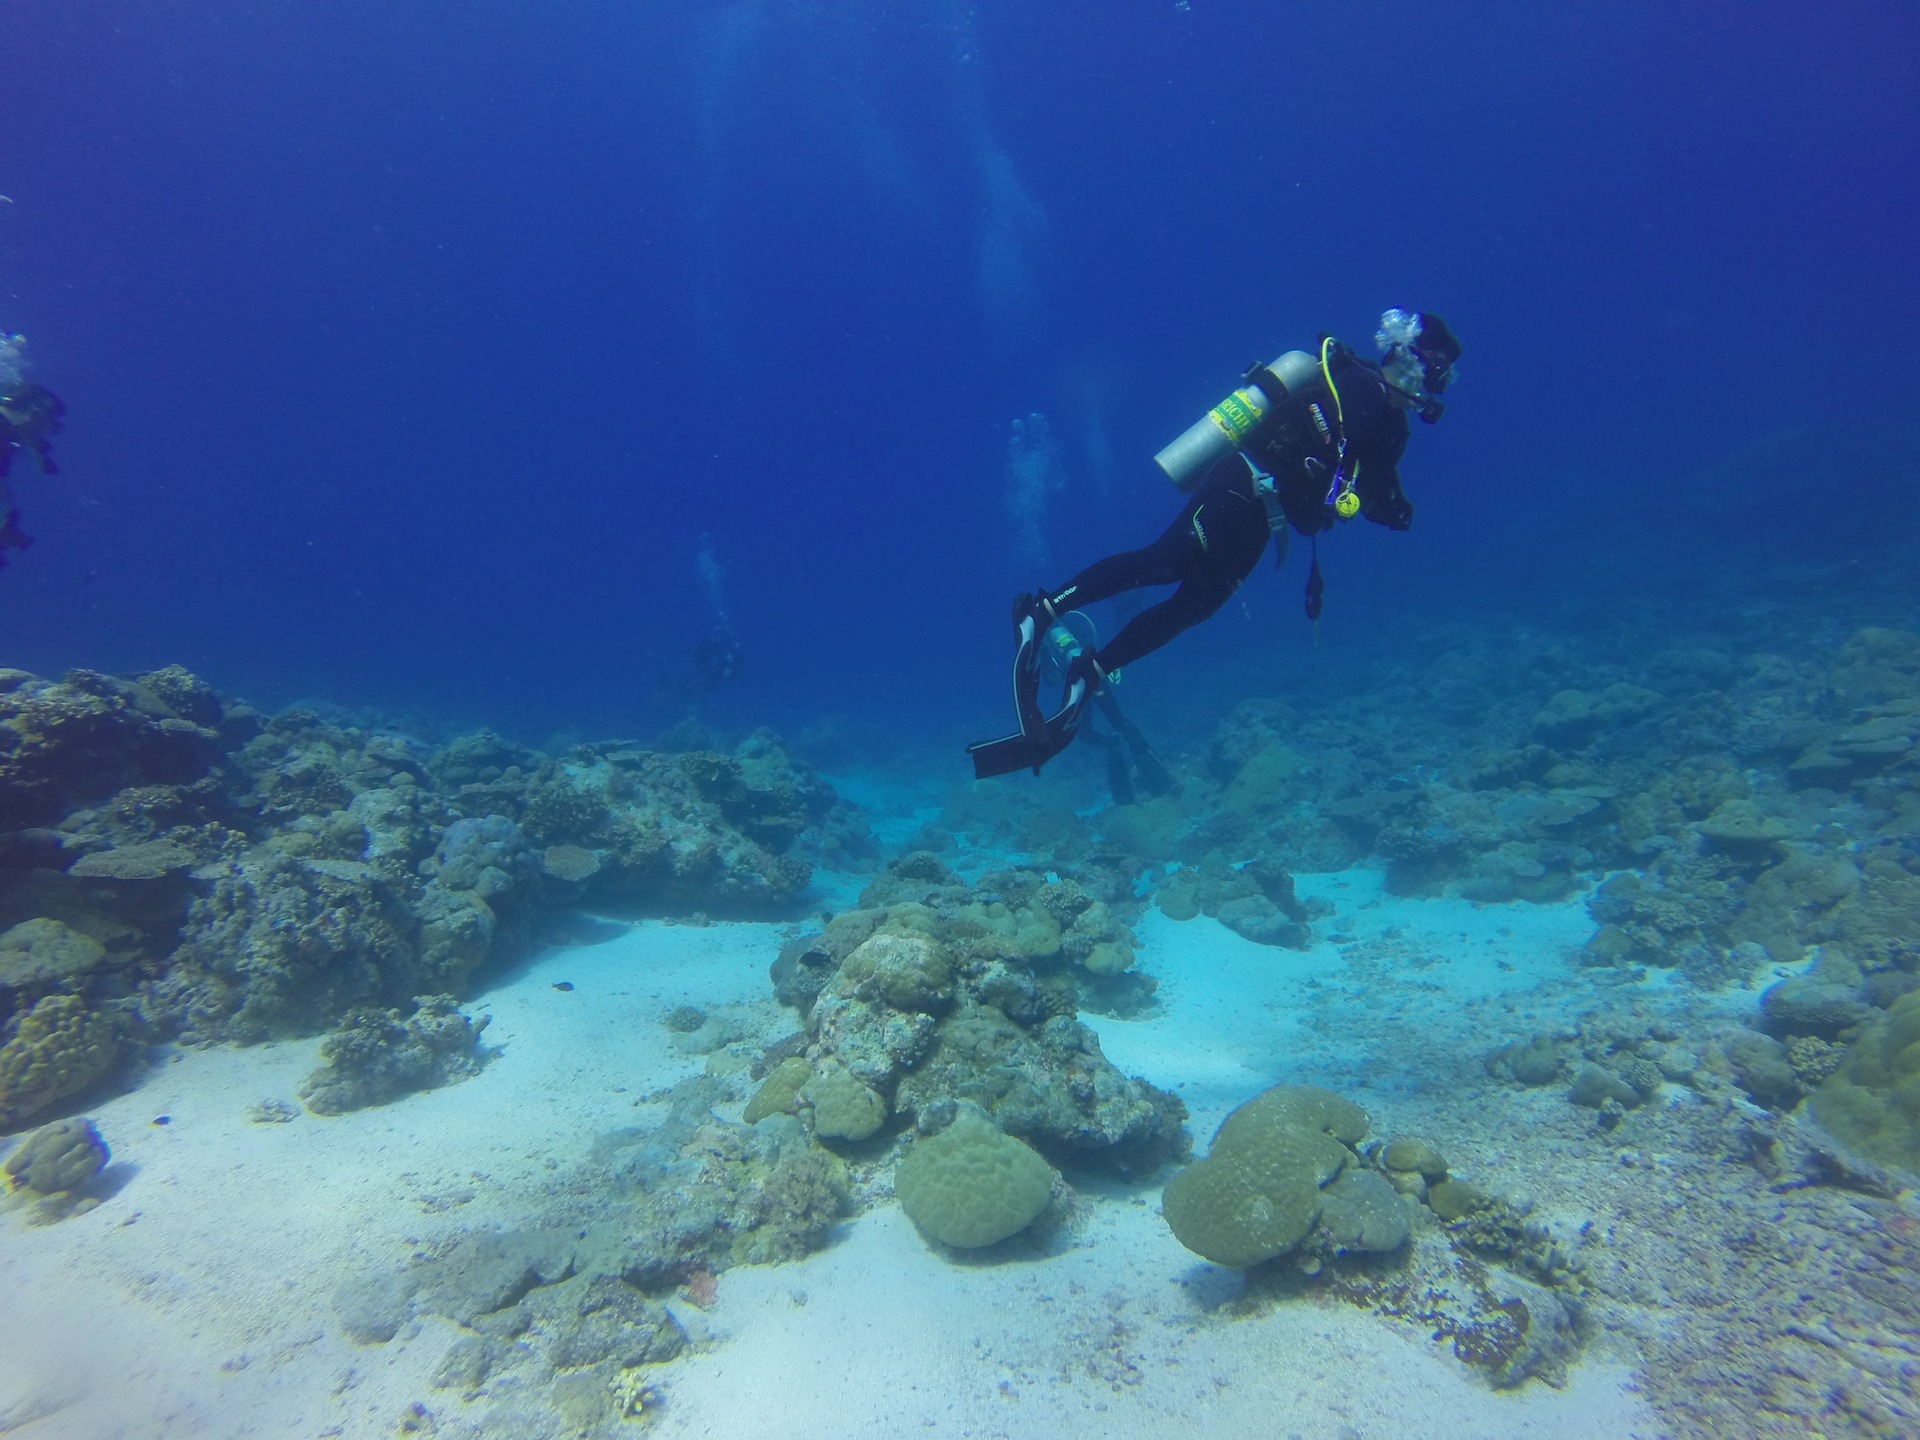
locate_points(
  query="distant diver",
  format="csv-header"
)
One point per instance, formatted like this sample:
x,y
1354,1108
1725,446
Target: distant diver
x,y
717,657
1307,442
29,413
717,660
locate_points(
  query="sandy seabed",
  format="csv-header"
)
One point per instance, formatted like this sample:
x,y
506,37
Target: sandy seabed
x,y
196,1301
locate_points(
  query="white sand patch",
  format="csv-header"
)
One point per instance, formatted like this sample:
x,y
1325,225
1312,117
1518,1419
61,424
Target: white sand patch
x,y
878,1336
1236,1017
195,1302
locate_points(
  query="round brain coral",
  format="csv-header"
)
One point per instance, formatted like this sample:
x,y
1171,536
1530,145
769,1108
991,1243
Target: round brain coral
x,y
1221,1213
972,1184
1260,1188
41,953
61,1156
777,1094
1295,1107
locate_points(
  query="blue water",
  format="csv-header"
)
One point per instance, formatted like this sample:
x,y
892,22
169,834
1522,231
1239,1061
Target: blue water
x,y
410,349
454,363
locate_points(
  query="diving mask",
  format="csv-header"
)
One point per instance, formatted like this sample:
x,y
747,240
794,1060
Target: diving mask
x,y
1421,353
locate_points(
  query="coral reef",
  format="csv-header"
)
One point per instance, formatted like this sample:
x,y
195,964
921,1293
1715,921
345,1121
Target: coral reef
x,y
561,1313
694,1196
81,740
720,833
1255,900
1733,811
1746,824
276,945
53,1051
934,992
1260,1188
58,1158
174,864
732,1195
1289,1175
379,1055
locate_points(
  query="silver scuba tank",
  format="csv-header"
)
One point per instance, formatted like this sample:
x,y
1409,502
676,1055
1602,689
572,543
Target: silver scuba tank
x,y
1220,431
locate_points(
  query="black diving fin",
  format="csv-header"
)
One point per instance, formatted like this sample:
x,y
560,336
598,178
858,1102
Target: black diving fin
x,y
1031,747
1040,737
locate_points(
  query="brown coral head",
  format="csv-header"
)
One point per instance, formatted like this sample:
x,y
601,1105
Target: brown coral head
x,y
570,862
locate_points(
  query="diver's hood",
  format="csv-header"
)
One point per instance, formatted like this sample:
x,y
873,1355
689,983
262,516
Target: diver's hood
x,y
1421,353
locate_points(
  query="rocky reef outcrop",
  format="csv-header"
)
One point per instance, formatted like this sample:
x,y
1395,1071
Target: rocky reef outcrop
x,y
175,864
935,994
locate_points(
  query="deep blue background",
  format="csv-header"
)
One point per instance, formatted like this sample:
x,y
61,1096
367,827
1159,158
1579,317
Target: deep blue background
x,y
411,347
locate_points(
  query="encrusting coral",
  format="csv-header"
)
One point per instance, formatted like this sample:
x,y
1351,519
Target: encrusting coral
x,y
57,1049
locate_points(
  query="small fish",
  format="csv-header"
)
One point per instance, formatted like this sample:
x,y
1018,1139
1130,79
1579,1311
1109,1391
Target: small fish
x,y
563,984
1316,587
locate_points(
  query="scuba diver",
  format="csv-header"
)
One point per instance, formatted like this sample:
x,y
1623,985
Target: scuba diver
x,y
718,657
716,660
29,413
714,663
1307,442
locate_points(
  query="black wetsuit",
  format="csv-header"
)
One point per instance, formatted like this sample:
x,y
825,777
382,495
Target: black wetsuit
x,y
1218,538
27,417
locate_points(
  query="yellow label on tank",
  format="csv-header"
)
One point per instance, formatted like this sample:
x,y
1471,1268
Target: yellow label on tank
x,y
1237,415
